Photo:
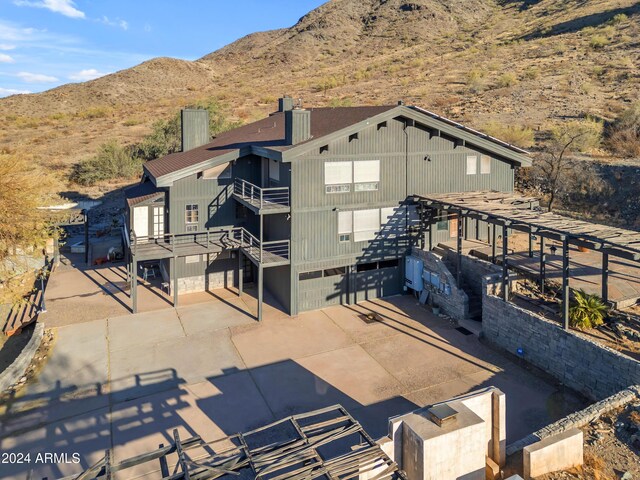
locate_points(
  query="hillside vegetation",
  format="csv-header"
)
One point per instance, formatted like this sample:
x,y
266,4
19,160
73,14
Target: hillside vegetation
x,y
529,64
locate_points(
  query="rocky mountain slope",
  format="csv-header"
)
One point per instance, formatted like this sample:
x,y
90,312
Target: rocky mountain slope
x,y
525,62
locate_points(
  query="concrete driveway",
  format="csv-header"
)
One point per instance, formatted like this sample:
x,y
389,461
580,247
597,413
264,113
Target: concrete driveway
x,y
126,382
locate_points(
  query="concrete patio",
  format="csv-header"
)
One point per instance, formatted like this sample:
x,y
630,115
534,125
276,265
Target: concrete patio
x,y
125,382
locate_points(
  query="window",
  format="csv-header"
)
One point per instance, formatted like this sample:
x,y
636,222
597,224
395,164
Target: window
x,y
158,221
485,164
345,226
366,223
366,175
274,170
337,188
338,173
310,275
220,172
366,267
443,225
192,259
366,187
332,272
472,164
388,263
191,217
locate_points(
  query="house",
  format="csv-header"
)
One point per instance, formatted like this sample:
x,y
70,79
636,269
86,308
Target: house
x,y
315,205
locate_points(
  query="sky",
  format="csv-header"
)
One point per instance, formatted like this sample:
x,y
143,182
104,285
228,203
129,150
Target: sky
x,y
46,43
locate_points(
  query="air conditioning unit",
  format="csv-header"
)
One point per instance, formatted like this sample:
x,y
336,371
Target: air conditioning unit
x,y
413,273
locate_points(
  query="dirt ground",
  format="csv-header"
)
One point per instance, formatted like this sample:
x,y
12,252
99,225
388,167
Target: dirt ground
x,y
612,447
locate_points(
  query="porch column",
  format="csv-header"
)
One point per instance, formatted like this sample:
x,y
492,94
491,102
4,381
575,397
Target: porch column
x,y
542,265
459,258
505,269
85,216
565,282
605,277
134,285
260,291
240,271
493,243
175,282
477,229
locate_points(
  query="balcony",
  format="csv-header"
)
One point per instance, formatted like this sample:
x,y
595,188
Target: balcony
x,y
262,200
168,245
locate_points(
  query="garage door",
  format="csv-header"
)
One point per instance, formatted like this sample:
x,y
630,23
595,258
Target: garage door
x,y
384,281
322,288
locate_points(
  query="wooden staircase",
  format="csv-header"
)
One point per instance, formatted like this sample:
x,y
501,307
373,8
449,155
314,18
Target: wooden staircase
x,y
27,310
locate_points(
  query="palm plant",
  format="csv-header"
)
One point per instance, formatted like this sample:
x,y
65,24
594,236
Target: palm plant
x,y
587,311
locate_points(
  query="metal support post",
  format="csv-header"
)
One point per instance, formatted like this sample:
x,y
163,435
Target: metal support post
x,y
175,282
134,284
493,243
543,267
459,258
565,282
240,272
605,277
505,268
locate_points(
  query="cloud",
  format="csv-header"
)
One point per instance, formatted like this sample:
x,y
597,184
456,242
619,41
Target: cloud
x,y
123,24
4,58
6,46
11,91
36,77
64,7
89,74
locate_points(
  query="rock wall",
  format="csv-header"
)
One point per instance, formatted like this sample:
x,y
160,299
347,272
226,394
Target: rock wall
x,y
572,358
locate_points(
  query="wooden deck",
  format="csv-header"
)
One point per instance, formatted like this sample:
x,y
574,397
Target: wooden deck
x,y
264,208
262,201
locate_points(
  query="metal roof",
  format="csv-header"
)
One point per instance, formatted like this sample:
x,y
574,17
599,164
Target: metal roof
x,y
141,193
515,210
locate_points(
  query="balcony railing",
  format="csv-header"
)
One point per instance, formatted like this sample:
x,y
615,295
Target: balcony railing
x,y
275,197
170,244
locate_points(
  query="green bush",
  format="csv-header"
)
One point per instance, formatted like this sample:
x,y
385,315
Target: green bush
x,y
519,135
587,311
586,134
598,42
112,162
623,136
507,80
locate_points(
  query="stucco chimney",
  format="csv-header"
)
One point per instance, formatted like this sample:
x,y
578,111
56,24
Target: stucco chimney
x,y
195,128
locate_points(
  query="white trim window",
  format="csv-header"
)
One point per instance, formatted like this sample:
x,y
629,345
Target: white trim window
x,y
366,175
345,226
366,224
485,164
338,177
191,217
472,164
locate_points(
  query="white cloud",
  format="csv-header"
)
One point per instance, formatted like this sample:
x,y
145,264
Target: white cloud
x,y
6,46
64,7
89,74
36,77
4,58
123,24
11,91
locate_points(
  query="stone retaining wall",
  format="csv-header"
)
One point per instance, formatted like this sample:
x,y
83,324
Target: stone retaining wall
x,y
571,357
13,372
578,419
455,304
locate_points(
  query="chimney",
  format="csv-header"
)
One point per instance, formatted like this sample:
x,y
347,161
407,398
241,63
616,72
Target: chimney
x,y
285,104
195,128
297,126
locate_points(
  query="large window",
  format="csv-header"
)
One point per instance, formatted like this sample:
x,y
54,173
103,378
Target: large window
x,y
485,164
472,164
191,217
338,177
366,224
345,226
363,174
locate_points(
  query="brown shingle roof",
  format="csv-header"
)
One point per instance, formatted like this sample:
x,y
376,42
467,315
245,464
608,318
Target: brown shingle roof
x,y
268,132
141,192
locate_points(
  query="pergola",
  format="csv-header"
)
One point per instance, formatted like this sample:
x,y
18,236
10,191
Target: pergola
x,y
515,212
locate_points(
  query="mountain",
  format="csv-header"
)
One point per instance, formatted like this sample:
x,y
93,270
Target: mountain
x,y
524,62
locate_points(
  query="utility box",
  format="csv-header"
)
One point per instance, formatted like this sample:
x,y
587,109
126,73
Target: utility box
x,y
413,273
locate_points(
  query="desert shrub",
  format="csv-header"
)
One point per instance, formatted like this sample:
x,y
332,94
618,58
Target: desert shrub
x,y
514,134
340,102
130,122
112,162
618,18
587,311
598,42
586,134
531,73
623,135
507,80
95,112
476,80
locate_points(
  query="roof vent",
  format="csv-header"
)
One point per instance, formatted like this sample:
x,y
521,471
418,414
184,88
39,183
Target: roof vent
x,y
442,414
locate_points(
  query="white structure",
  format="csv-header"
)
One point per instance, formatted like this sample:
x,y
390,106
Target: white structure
x,y
463,438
